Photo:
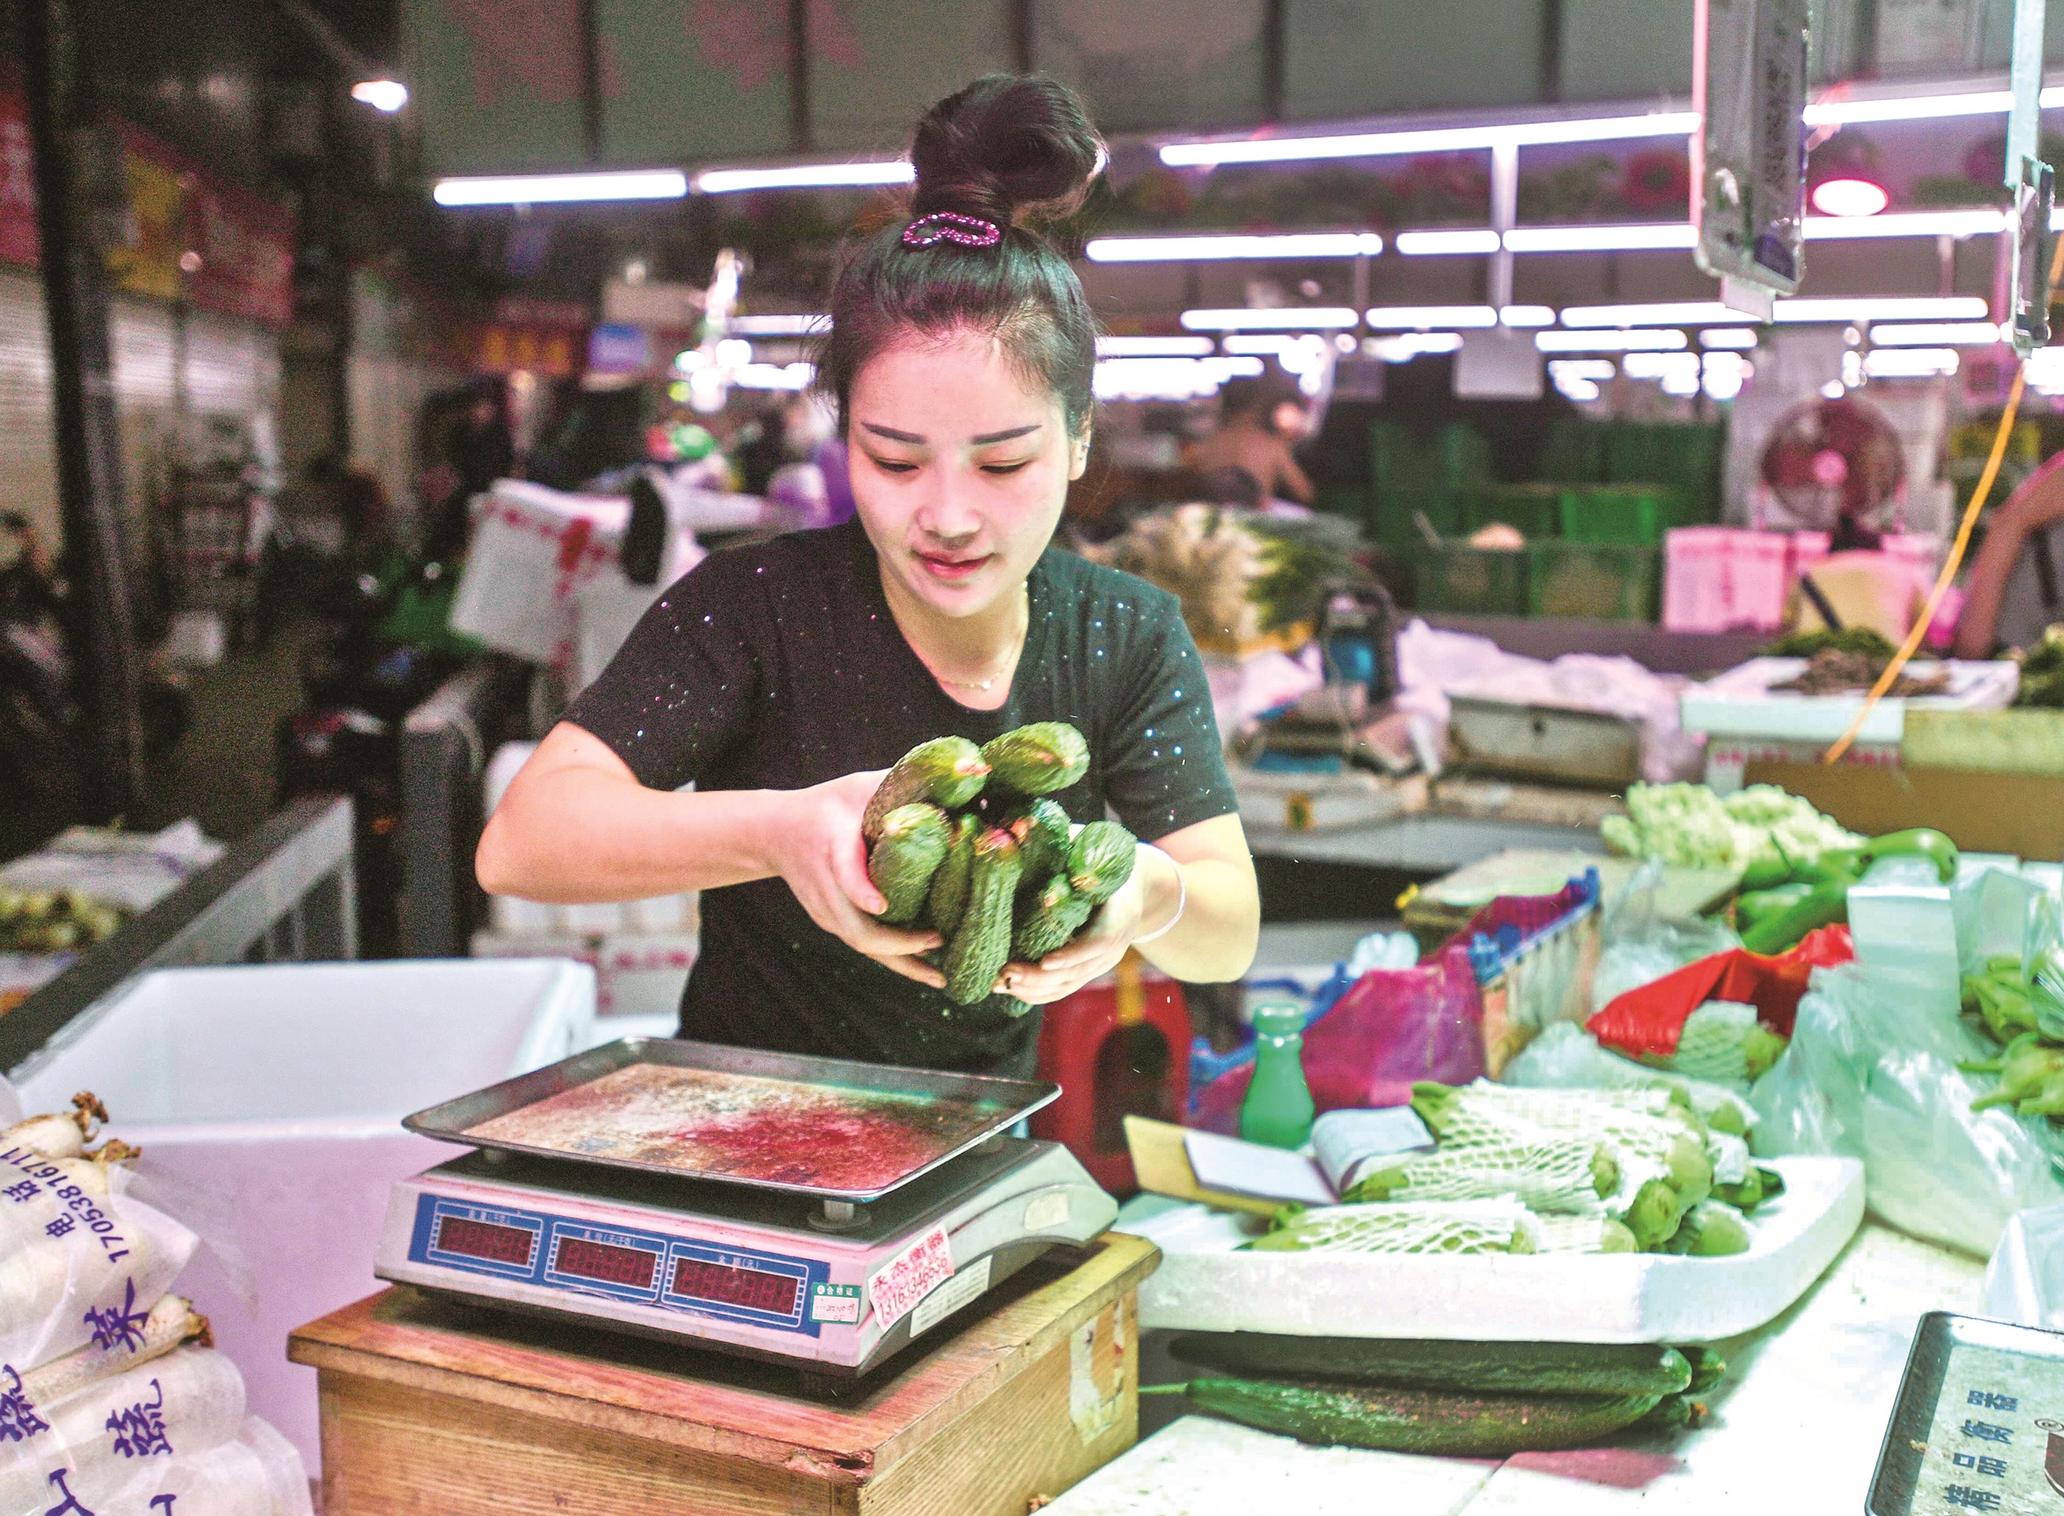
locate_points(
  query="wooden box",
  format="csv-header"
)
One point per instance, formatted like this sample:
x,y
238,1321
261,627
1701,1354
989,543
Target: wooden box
x,y
430,1408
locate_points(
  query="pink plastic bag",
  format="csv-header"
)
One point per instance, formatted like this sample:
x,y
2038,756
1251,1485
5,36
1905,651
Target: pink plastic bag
x,y
1389,1029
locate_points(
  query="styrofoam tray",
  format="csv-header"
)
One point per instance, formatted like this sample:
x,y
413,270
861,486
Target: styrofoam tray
x,y
1741,702
1204,1285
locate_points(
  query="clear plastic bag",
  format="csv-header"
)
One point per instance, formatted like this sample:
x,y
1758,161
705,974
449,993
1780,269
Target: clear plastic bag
x,y
1641,946
2024,1282
1872,1073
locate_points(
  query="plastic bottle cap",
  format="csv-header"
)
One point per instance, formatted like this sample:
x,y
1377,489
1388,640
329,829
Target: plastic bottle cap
x,y
1280,1020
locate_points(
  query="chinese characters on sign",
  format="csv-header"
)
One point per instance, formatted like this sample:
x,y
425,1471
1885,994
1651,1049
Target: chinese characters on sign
x,y
69,1506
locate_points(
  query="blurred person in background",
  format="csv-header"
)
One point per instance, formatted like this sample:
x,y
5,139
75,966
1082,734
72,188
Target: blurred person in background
x,y
1250,459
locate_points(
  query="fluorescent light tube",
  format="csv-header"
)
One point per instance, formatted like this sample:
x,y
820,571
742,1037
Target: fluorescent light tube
x,y
724,181
1153,347
1321,318
1438,139
1600,239
550,189
1406,318
1937,334
1446,243
1610,342
1214,249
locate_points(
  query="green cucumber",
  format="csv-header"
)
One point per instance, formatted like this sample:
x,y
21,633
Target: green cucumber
x,y
948,897
912,844
1398,1419
947,771
1038,759
1057,914
1507,1367
1100,860
981,943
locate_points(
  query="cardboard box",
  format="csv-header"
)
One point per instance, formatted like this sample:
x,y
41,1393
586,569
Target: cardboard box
x,y
2021,814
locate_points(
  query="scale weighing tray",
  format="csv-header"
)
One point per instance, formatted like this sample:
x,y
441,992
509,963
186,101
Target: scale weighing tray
x,y
1979,1424
831,1278
824,1127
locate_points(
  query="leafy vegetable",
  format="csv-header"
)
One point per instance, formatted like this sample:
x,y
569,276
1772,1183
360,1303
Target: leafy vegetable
x,y
1689,825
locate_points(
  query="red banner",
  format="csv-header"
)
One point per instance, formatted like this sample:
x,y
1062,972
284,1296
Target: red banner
x,y
19,241
224,248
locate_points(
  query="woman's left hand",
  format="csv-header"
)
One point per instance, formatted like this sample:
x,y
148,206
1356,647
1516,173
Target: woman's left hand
x,y
1094,952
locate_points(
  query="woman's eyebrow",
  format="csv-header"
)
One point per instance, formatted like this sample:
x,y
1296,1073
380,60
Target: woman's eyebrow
x,y
982,441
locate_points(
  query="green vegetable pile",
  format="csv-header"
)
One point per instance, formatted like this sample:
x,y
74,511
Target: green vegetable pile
x,y
2022,1014
963,839
1689,825
1535,1170
53,921
2042,672
1860,640
1782,900
1455,1399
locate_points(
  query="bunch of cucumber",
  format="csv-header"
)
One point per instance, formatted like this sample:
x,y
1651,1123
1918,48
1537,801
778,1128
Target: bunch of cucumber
x,y
964,840
1457,1399
53,921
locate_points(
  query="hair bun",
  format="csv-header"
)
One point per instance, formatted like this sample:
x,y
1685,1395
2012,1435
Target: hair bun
x,y
1013,148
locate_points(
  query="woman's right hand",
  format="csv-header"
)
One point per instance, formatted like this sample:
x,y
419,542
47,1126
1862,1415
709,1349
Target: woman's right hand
x,y
822,858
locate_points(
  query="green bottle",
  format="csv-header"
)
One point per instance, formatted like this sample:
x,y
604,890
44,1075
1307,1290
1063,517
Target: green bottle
x,y
1278,1109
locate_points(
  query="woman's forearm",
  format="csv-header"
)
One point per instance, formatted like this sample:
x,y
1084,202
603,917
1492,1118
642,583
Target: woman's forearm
x,y
1214,939
579,837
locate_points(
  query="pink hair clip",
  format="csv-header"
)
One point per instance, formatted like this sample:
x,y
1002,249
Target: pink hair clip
x,y
951,226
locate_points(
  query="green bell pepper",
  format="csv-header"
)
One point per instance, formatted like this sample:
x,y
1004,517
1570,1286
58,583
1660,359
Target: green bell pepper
x,y
1822,905
1916,842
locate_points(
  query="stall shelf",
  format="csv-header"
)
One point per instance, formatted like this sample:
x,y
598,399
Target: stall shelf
x,y
286,893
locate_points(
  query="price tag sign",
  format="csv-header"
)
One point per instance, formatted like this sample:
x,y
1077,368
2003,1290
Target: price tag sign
x,y
1749,154
1979,1425
913,1274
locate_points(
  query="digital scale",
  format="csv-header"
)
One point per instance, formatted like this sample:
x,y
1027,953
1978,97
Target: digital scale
x,y
1979,1425
807,1211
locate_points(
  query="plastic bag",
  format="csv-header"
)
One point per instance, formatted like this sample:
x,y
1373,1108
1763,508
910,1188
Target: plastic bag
x,y
1641,945
1566,1057
1872,1073
1649,1019
112,1438
1367,1047
2024,1282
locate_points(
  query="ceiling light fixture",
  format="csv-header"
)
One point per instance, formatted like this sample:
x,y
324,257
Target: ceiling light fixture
x,y
725,181
1634,237
1315,318
384,95
1610,342
1214,249
551,189
1446,243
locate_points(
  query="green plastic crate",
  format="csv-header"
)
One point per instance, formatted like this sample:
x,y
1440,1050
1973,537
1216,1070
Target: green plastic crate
x,y
1625,515
1390,519
1592,581
1574,451
1460,580
1534,509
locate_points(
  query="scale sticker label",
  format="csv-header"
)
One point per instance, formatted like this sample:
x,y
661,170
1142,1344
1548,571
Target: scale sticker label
x,y
836,1303
913,1274
950,1297
1048,1210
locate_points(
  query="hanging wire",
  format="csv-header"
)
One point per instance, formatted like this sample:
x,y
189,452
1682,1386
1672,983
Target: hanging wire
x,y
1957,549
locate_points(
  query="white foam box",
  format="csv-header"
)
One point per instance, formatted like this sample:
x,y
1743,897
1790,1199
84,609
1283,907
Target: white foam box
x,y
268,1103
1205,1285
643,973
1742,705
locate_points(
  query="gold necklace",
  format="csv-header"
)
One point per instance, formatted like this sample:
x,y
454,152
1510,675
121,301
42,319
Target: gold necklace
x,y
984,685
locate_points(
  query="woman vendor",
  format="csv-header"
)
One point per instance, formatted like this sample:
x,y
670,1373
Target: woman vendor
x,y
783,678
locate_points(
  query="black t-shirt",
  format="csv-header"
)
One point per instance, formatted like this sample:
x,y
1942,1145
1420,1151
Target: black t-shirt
x,y
778,666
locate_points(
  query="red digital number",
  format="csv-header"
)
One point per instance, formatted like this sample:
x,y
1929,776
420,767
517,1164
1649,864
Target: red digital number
x,y
483,1239
751,1289
607,1263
